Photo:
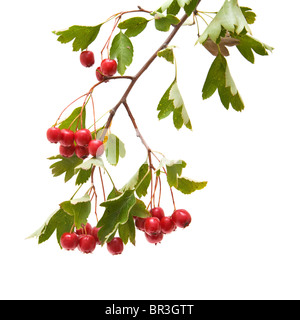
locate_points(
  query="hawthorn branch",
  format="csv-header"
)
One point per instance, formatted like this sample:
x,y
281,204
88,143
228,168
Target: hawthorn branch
x,y
142,70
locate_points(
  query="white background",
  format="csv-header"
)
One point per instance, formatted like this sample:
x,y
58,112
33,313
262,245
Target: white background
x,y
244,240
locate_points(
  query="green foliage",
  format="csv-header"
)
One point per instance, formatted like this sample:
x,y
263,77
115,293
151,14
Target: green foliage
x,y
190,7
140,182
219,77
172,102
65,165
133,26
163,23
122,50
188,186
114,149
88,164
59,221
229,18
70,120
79,209
248,44
116,213
174,171
167,54
249,15
173,6
83,176
83,36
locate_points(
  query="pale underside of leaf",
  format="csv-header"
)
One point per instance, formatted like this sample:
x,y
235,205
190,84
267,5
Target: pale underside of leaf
x,y
230,17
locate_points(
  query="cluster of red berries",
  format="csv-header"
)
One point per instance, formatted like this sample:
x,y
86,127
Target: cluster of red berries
x,y
107,68
158,224
86,239
84,147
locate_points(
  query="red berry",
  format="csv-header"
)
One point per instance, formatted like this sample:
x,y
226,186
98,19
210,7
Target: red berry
x,y
54,135
115,246
95,231
140,223
167,225
87,243
69,241
67,152
87,58
82,152
152,226
157,212
99,74
67,138
109,67
154,238
181,218
96,148
86,229
83,137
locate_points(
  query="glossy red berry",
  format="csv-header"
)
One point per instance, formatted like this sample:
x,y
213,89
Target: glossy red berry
x,y
99,74
154,238
152,226
83,137
140,223
95,231
181,218
157,212
82,152
96,148
115,246
87,58
86,229
67,138
54,134
167,225
109,67
87,243
69,241
67,152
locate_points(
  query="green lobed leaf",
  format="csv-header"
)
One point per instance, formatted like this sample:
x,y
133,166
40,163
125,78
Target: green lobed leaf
x,y
140,182
67,122
116,213
229,18
114,149
249,15
163,23
219,77
59,221
88,164
83,176
167,54
139,210
122,50
249,44
188,186
172,102
133,26
173,8
80,209
190,7
65,166
83,36
127,230
173,168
